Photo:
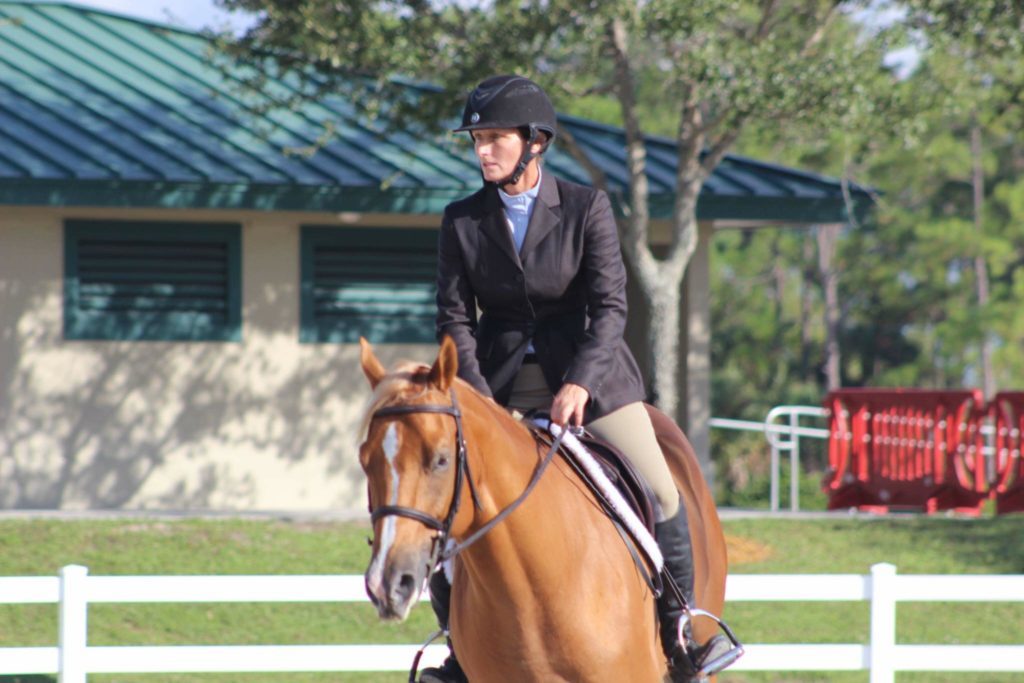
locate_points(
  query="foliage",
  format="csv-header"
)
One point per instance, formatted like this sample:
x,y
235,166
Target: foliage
x,y
698,71
807,83
910,314
907,277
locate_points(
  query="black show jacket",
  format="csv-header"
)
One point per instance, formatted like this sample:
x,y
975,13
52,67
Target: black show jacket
x,y
565,291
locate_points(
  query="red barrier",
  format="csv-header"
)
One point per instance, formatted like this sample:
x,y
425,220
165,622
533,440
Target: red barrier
x,y
1007,415
907,449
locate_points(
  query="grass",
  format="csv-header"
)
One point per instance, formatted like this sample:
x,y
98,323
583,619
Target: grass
x,y
914,544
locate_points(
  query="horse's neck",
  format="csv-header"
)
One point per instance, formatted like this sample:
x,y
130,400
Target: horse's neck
x,y
498,442
504,457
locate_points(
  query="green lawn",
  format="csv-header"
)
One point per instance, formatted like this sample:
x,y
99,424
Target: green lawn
x,y
913,544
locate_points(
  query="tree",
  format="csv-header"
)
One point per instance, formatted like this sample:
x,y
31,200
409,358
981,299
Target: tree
x,y
976,49
709,67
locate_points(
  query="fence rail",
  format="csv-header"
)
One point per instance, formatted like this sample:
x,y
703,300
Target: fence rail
x,y
74,590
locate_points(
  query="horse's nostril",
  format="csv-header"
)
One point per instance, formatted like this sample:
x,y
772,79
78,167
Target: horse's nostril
x,y
406,585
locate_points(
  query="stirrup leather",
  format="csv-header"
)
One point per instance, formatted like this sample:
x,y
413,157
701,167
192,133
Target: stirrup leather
x,y
414,671
719,662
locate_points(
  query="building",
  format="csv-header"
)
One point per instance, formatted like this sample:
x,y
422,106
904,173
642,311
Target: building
x,y
181,285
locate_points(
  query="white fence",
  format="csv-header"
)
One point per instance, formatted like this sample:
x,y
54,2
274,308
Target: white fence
x,y
72,659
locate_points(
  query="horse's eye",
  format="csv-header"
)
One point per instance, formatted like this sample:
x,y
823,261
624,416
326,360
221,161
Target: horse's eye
x,y
441,463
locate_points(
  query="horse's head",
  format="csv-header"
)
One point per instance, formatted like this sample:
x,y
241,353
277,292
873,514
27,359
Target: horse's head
x,y
410,457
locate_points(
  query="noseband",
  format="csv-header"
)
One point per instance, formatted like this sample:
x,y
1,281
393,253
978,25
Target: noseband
x,y
462,475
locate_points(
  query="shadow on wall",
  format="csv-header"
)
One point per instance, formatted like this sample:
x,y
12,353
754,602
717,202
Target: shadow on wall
x,y
106,425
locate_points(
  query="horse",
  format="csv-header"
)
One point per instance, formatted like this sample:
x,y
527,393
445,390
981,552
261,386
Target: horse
x,y
546,591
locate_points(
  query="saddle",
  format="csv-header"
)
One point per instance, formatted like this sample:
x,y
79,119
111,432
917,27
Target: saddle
x,y
617,469
621,472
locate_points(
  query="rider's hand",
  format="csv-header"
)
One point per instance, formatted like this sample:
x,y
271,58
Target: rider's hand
x,y
567,408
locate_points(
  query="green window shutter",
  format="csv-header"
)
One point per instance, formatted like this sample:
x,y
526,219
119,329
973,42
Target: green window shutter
x,y
378,283
134,280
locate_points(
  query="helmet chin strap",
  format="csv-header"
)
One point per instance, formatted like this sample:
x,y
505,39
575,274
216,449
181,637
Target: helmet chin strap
x,y
524,160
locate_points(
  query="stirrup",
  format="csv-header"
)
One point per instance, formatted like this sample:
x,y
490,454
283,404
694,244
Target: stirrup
x,y
719,662
419,654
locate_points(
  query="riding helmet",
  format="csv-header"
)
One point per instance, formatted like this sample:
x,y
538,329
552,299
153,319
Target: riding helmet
x,y
509,102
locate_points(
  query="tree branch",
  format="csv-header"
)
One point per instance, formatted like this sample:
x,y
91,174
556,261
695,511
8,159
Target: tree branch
x,y
604,89
720,147
764,24
636,153
819,33
576,151
689,180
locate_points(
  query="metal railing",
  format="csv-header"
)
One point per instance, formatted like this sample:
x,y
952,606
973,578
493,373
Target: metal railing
x,y
783,431
782,437
73,659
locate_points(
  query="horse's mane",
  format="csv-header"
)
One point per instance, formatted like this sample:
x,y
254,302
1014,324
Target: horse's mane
x,y
409,379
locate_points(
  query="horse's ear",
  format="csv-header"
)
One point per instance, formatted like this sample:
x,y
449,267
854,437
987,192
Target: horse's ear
x,y
372,367
442,372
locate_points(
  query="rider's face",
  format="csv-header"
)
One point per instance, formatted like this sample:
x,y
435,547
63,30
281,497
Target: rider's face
x,y
498,150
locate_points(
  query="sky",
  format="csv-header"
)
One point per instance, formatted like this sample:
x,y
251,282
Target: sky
x,y
192,14
198,14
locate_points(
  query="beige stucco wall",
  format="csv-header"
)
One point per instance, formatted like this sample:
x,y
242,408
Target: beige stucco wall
x,y
264,424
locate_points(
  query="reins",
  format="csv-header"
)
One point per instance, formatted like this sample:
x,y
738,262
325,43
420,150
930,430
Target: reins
x,y
462,474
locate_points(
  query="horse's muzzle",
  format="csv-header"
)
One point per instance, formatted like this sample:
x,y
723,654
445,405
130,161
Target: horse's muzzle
x,y
394,585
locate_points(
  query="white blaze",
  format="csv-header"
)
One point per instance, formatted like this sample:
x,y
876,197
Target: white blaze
x,y
387,534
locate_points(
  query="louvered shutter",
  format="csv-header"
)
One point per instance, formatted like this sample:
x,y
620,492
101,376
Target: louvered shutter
x,y
373,282
152,281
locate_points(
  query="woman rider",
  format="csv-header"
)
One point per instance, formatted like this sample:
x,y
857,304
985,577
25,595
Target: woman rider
x,y
540,257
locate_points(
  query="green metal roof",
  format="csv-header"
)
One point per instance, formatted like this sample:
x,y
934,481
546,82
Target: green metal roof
x,y
100,109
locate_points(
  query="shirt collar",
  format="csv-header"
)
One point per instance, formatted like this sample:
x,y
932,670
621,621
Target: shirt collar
x,y
523,200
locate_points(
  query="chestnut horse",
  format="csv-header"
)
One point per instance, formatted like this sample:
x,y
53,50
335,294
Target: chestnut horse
x,y
551,592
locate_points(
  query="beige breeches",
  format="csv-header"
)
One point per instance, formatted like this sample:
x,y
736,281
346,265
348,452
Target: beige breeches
x,y
629,429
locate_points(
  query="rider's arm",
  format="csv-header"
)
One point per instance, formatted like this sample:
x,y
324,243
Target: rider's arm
x,y
605,277
456,305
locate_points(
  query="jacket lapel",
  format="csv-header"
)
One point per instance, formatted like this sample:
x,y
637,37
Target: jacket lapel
x,y
495,226
547,214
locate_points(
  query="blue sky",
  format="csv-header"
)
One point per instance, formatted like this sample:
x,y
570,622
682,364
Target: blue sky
x,y
193,14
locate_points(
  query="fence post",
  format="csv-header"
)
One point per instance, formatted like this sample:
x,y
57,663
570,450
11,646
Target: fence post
x,y
883,623
73,609
794,463
773,496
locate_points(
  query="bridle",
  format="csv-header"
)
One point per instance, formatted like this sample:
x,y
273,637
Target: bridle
x,y
440,552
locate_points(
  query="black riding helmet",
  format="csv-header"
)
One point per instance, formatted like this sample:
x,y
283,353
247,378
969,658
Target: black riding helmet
x,y
512,102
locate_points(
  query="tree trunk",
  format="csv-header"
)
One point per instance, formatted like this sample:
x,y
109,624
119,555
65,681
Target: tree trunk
x,y
806,306
988,381
664,301
828,235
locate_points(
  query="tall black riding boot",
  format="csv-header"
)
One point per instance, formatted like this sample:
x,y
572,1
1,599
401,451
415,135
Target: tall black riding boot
x,y
673,536
440,600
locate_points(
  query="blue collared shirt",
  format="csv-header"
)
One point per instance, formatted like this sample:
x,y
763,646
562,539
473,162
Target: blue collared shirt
x,y
518,209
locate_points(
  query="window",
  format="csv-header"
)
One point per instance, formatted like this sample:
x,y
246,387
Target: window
x,y
378,283
133,280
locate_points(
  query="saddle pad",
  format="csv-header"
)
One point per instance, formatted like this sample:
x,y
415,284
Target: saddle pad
x,y
624,476
597,477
